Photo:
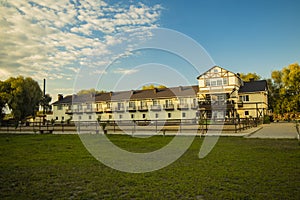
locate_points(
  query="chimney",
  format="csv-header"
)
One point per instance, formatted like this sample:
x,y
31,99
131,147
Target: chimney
x,y
251,79
180,88
60,97
155,90
132,92
110,93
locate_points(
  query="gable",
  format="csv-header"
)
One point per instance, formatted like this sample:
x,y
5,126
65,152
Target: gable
x,y
216,72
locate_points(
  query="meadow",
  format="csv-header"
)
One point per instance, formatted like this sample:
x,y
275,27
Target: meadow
x,y
59,167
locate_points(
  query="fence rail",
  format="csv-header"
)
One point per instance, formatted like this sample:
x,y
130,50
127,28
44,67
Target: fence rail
x,y
112,126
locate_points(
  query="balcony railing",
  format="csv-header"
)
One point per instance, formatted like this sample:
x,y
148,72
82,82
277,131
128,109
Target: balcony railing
x,y
108,110
98,110
216,104
183,106
155,108
143,108
168,106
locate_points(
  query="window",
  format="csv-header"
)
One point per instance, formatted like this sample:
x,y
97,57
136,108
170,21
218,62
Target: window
x,y
131,104
56,118
79,117
59,107
109,116
207,82
155,102
108,105
244,98
156,115
219,82
120,105
215,70
246,112
144,116
169,102
90,117
225,81
169,115
213,82
120,116
62,118
132,116
182,101
183,114
143,104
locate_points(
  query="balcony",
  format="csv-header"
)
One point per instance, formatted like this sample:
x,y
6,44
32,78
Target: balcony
x,y
143,108
155,108
73,111
183,106
69,111
131,108
88,110
216,105
108,110
99,110
168,106
240,104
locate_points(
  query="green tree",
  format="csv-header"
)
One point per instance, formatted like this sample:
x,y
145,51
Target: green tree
x,y
286,89
25,96
151,86
90,91
4,96
248,76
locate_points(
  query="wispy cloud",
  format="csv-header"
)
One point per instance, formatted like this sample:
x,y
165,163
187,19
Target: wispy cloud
x,y
52,39
125,71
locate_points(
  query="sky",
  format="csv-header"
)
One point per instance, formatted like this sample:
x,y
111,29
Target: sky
x,y
122,45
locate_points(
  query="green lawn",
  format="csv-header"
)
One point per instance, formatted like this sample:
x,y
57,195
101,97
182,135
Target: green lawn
x,y
59,167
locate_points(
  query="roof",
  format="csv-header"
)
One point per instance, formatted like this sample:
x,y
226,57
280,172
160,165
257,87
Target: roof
x,y
65,100
254,86
157,93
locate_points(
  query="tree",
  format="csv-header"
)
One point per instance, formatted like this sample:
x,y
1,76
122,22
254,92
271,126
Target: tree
x,y
4,96
248,76
151,86
286,89
90,91
25,96
45,102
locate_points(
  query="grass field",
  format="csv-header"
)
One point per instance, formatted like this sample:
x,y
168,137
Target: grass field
x,y
59,167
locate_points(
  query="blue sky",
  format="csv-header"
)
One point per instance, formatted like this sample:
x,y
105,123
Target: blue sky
x,y
58,40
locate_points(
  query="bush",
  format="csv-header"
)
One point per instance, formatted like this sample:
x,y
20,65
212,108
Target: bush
x,y
266,119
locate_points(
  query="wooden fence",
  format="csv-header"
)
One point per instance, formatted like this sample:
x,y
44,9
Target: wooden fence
x,y
112,126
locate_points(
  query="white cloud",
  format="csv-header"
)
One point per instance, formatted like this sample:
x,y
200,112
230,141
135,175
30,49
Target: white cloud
x,y
125,71
52,39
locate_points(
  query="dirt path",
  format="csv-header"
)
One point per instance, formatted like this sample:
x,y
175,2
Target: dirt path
x,y
276,130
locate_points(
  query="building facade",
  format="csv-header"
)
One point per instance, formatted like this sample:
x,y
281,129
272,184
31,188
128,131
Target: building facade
x,y
220,94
